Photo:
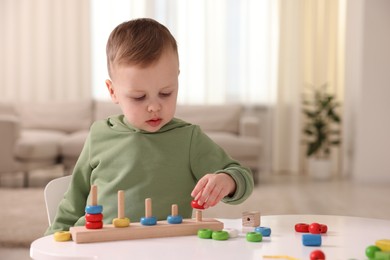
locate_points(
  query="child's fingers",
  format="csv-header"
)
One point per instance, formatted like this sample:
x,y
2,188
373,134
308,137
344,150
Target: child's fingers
x,y
207,192
215,196
196,192
212,188
217,199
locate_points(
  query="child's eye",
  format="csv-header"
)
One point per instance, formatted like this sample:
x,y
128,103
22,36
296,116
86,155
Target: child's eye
x,y
139,98
165,94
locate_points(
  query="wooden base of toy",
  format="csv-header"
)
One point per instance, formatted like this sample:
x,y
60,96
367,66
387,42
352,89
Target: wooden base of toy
x,y
137,231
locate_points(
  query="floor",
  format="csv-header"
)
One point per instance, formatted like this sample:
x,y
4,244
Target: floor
x,y
295,195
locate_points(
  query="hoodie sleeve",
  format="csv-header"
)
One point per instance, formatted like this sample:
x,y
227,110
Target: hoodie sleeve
x,y
72,207
207,157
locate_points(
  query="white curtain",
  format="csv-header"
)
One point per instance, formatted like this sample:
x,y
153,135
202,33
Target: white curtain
x,y
312,40
228,49
45,50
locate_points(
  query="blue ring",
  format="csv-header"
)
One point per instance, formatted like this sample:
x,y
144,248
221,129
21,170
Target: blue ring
x,y
149,221
175,219
265,231
96,209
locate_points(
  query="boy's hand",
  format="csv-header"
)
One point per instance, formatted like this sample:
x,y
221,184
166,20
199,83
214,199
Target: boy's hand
x,y
211,188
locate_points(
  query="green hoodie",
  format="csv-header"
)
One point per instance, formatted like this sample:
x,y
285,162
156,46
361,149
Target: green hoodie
x,y
163,166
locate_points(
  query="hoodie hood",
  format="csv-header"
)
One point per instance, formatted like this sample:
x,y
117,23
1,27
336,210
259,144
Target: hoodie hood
x,y
120,124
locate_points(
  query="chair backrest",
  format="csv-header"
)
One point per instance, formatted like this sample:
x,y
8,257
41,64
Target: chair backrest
x,y
54,192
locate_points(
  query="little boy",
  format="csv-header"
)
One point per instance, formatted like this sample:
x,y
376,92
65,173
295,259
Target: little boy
x,y
146,151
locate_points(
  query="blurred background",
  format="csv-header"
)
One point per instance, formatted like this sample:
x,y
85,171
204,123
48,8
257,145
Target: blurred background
x,y
268,56
255,53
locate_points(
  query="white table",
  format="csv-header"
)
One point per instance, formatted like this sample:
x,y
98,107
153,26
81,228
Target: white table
x,y
347,238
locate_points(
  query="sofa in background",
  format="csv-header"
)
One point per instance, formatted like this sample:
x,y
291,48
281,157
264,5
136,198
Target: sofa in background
x,y
36,135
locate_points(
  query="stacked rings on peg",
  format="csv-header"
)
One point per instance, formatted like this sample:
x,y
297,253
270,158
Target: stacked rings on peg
x,y
94,216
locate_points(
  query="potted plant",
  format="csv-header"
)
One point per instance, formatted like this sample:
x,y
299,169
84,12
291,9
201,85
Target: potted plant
x,y
321,130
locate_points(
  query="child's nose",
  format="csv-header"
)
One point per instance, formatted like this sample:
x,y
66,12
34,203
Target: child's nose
x,y
154,107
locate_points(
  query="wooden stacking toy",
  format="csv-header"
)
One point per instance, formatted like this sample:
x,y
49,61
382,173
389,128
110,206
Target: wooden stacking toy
x,y
171,227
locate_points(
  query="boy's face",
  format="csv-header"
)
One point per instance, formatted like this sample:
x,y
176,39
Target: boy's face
x,y
147,95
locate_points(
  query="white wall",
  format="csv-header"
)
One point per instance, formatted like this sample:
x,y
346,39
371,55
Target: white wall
x,y
368,89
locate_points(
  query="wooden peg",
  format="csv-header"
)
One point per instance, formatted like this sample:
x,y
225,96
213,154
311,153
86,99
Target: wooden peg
x,y
121,221
148,207
93,195
148,220
174,210
198,216
121,204
174,218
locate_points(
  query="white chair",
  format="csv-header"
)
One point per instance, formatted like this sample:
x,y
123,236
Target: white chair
x,y
54,192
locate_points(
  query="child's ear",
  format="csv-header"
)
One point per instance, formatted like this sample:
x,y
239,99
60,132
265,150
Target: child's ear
x,y
111,90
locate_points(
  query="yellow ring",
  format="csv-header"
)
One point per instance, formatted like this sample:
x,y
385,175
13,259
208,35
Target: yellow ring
x,y
62,236
121,222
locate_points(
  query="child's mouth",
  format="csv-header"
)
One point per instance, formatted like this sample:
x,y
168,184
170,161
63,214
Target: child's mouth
x,y
154,122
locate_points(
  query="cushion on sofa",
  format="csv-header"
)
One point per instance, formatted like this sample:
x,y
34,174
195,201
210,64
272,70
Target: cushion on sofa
x,y
38,144
224,118
61,116
8,108
237,146
72,144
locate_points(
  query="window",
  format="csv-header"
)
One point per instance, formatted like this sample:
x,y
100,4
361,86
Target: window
x,y
227,48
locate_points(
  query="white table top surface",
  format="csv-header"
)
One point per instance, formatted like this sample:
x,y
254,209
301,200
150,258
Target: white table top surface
x,y
346,239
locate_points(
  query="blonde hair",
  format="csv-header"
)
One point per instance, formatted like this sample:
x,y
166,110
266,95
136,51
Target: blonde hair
x,y
138,42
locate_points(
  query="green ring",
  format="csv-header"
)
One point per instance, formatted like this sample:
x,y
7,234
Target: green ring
x,y
254,237
205,233
371,250
220,235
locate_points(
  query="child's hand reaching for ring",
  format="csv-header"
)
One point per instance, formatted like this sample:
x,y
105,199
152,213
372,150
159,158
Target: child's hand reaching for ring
x,y
212,188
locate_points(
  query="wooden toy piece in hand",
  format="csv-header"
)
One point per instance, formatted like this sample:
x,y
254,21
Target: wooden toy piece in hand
x,y
195,205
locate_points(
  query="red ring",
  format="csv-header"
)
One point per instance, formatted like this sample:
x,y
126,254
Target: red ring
x,y
302,227
94,225
195,205
94,217
324,228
